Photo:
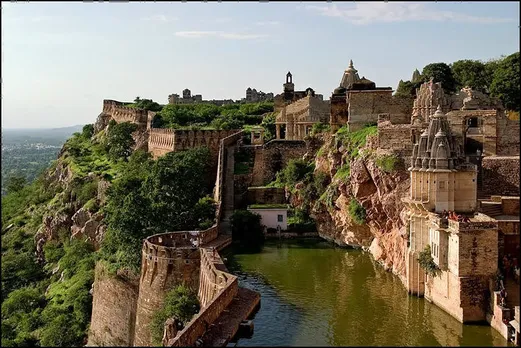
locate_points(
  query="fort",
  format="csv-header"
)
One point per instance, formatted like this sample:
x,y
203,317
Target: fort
x,y
461,153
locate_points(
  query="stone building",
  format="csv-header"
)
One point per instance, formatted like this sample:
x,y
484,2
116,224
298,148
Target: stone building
x,y
295,120
188,98
252,96
465,252
480,120
357,101
289,95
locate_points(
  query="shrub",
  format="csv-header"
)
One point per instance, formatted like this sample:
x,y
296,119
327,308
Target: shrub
x,y
357,212
426,261
181,303
318,128
387,163
247,228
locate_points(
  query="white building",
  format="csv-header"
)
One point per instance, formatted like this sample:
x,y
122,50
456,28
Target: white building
x,y
272,215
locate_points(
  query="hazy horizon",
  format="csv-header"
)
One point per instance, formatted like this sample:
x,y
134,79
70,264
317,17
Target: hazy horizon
x,y
60,60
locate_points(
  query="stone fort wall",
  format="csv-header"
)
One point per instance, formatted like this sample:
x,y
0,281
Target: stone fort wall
x,y
217,289
394,137
121,113
365,106
162,141
273,156
114,301
501,175
508,137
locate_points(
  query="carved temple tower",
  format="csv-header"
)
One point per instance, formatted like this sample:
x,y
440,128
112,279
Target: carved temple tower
x,y
439,182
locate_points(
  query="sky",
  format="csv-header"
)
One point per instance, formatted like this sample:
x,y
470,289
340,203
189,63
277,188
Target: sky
x,y
60,60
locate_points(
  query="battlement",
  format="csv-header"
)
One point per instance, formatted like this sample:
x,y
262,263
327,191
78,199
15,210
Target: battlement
x,y
217,289
121,113
162,141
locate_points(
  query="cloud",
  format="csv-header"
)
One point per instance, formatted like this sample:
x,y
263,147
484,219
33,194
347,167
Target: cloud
x,y
365,13
159,18
218,34
267,23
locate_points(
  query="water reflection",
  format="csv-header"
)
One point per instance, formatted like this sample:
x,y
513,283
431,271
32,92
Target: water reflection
x,y
313,293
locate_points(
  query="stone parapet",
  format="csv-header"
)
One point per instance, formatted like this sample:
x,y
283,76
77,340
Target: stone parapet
x,y
217,289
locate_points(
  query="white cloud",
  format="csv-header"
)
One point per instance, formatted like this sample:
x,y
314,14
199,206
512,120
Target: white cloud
x,y
372,12
218,34
267,23
159,18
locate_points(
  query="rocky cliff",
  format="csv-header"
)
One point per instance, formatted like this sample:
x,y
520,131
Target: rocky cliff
x,y
376,186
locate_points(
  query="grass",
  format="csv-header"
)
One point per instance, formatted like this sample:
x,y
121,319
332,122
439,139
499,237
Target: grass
x,y
387,163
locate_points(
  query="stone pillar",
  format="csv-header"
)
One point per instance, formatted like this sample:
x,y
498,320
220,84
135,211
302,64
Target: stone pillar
x,y
277,126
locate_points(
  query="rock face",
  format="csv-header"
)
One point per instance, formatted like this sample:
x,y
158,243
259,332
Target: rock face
x,y
377,191
88,226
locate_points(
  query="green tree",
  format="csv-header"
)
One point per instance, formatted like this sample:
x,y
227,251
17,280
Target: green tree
x,y
180,303
505,83
407,88
440,72
120,140
87,131
268,123
247,228
470,73
15,183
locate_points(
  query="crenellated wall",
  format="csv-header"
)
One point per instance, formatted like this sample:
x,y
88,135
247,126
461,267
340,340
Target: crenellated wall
x,y
121,113
217,289
162,141
167,259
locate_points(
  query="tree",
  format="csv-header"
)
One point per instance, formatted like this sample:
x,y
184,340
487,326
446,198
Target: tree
x,y
247,228
120,140
87,131
440,72
470,73
407,88
505,83
15,183
268,123
180,303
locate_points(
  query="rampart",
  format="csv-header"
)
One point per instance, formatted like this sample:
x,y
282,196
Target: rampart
x,y
365,106
121,113
113,309
266,195
162,141
217,289
175,257
394,137
508,137
167,259
501,175
273,156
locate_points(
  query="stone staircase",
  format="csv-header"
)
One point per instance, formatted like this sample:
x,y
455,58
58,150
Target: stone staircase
x,y
228,192
490,208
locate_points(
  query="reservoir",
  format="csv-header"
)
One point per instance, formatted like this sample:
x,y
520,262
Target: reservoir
x,y
314,293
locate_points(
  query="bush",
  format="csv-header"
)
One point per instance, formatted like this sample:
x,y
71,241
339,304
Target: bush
x,y
318,128
356,211
247,228
180,303
387,163
426,262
